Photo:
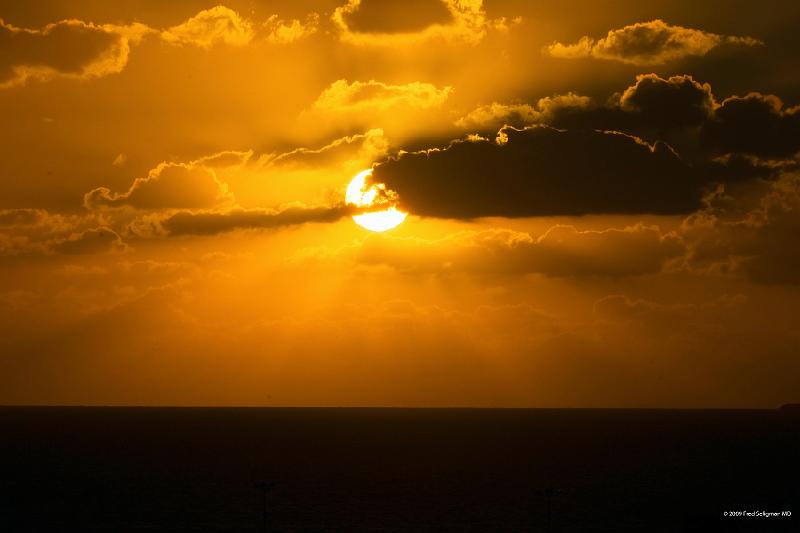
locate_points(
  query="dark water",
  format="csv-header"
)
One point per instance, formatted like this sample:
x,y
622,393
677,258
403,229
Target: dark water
x,y
165,469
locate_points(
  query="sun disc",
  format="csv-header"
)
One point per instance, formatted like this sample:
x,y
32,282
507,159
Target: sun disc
x,y
360,194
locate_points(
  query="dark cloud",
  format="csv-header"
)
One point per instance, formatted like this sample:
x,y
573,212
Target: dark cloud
x,y
677,110
210,223
678,101
543,171
754,124
668,109
656,108
653,108
757,243
374,16
69,48
765,239
376,23
732,169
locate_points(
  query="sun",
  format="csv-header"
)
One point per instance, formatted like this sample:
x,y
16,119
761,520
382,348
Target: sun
x,y
360,194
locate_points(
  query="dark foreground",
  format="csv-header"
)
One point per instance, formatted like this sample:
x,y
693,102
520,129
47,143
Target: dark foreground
x,y
131,469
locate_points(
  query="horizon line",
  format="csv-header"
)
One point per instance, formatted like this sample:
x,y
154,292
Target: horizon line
x,y
398,407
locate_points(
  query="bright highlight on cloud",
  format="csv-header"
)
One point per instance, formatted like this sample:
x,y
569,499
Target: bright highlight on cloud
x,y
343,97
647,43
210,26
496,115
289,31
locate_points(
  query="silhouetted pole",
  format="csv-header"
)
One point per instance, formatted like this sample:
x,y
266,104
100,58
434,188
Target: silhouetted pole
x,y
264,487
548,494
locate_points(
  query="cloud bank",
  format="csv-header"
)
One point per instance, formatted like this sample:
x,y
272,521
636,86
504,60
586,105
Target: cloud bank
x,y
211,223
562,251
75,49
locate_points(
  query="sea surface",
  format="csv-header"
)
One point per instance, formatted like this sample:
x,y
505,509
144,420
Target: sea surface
x,y
541,470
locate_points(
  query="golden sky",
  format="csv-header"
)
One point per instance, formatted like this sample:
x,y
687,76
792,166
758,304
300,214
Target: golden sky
x,y
597,205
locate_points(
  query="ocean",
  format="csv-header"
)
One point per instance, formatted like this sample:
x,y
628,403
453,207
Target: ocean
x,y
278,469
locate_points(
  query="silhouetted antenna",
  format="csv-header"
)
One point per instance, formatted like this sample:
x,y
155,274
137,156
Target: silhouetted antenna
x,y
265,487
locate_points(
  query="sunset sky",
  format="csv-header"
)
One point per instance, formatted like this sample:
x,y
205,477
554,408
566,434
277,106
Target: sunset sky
x,y
602,199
